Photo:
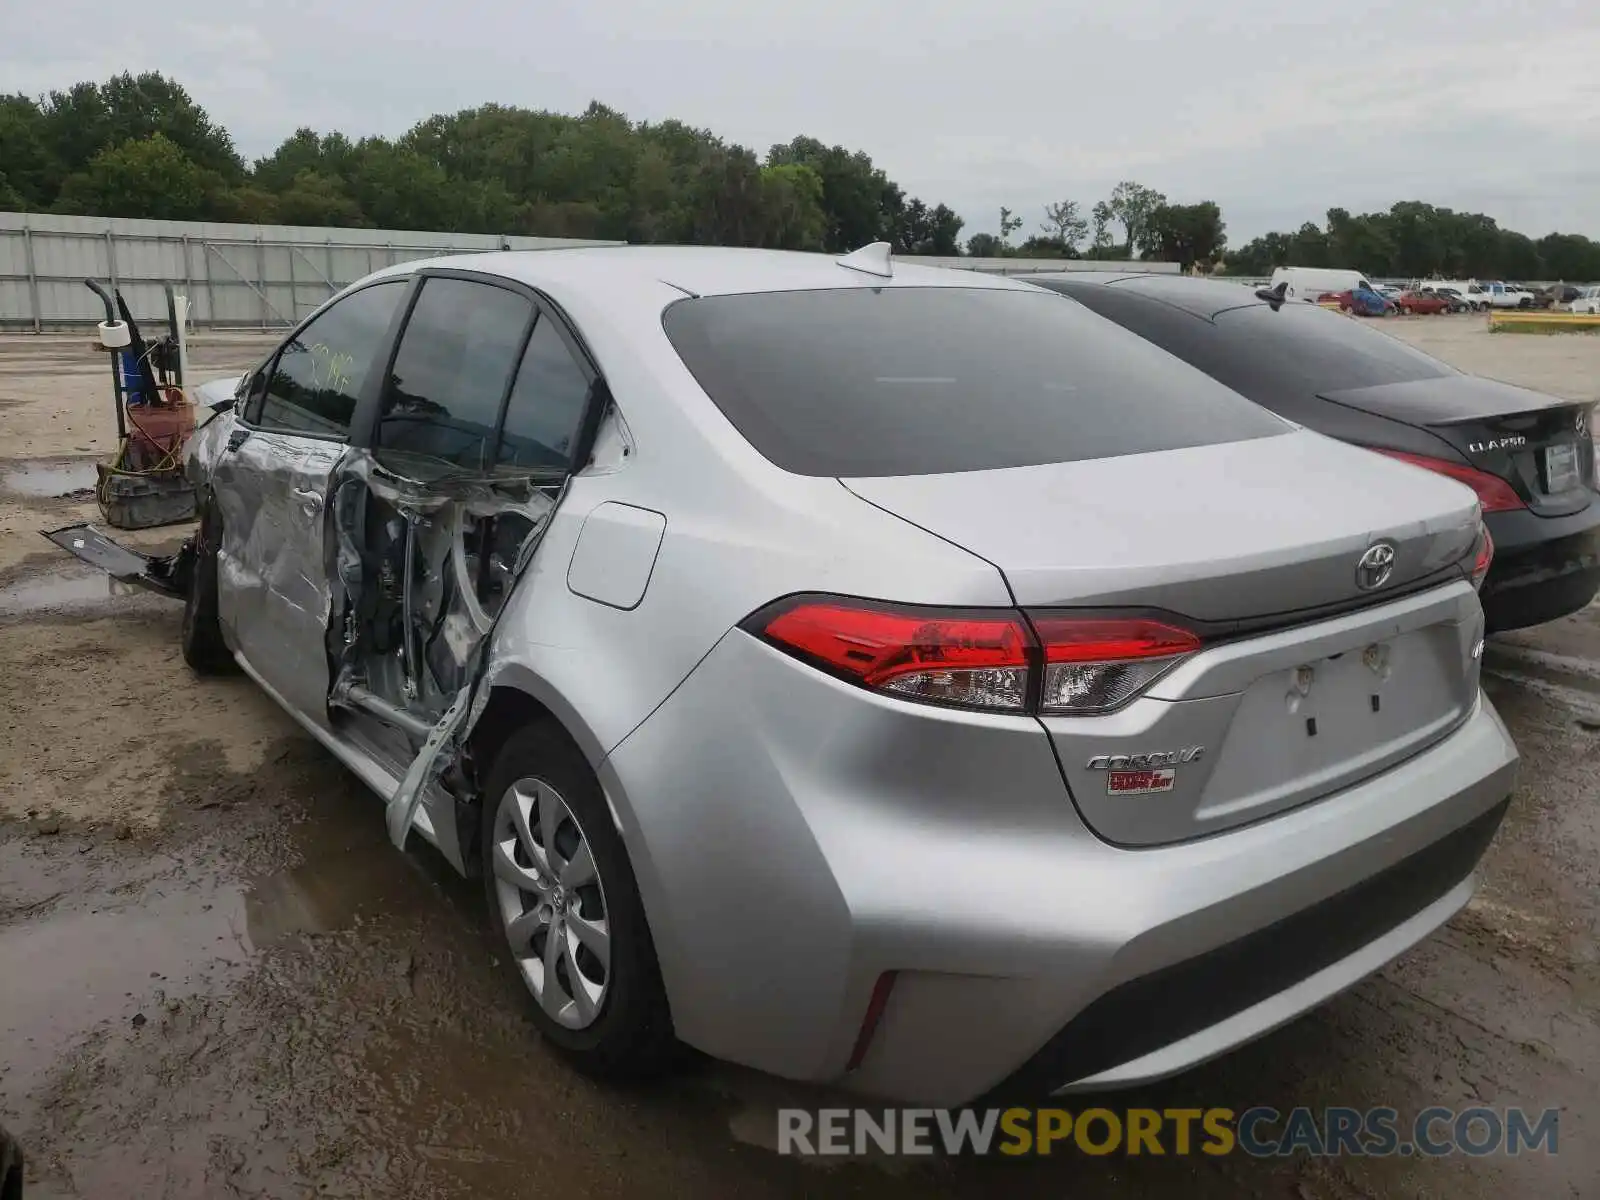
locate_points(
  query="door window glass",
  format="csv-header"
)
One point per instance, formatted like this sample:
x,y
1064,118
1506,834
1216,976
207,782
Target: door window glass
x,y
547,403
443,399
313,384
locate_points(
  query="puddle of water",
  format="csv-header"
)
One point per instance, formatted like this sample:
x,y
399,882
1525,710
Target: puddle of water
x,y
93,941
65,592
70,972
49,478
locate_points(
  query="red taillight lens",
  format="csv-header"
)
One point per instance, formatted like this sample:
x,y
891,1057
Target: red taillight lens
x,y
978,658
1096,664
1494,493
1484,558
971,660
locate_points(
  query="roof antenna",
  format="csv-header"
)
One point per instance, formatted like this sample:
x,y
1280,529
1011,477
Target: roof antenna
x,y
873,259
1273,296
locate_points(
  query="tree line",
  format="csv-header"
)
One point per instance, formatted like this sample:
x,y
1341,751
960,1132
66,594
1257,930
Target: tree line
x,y
1415,240
139,146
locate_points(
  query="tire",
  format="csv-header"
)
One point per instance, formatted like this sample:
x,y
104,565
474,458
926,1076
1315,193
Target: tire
x,y
625,1031
201,637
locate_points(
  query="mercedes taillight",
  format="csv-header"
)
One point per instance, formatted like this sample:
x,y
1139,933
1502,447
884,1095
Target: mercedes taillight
x,y
1494,493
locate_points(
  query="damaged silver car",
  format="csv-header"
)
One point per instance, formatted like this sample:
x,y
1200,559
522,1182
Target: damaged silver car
x,y
863,672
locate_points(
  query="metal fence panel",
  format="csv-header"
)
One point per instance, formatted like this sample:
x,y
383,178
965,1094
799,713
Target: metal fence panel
x,y
259,276
236,276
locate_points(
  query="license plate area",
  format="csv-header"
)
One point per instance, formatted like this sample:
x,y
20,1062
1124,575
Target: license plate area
x,y
1328,723
1561,467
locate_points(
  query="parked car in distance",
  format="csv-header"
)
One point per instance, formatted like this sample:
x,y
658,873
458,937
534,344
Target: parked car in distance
x,y
1454,299
1364,302
1308,283
1422,302
1505,295
1474,294
1586,301
1528,456
697,600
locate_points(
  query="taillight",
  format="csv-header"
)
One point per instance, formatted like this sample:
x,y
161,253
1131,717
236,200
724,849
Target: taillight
x,y
1095,664
967,659
1484,557
1494,493
996,660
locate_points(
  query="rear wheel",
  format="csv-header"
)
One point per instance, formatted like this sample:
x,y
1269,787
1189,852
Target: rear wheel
x,y
563,895
201,637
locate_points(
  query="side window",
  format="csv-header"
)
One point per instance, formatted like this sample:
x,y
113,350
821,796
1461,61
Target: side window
x,y
443,399
311,387
547,403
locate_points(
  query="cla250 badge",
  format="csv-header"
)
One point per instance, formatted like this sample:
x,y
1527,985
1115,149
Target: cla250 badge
x,y
1505,443
1141,774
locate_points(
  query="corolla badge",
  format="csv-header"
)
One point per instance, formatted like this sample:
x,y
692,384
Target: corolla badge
x,y
1375,567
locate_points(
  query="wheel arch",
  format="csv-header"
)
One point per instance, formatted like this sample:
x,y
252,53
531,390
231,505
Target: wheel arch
x,y
518,697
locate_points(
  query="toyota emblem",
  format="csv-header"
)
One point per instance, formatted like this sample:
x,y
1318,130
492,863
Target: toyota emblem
x,y
1375,567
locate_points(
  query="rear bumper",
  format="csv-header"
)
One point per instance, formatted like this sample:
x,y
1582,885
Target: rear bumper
x,y
1544,567
1175,1017
795,838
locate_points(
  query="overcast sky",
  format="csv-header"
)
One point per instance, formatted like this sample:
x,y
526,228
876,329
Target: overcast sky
x,y
1276,109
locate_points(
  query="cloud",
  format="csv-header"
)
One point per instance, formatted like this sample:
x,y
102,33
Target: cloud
x,y
1277,111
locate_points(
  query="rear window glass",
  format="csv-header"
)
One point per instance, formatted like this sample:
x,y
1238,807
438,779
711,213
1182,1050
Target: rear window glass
x,y
917,381
1312,350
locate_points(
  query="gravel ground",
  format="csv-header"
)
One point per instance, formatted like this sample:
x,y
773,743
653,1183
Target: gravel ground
x,y
217,979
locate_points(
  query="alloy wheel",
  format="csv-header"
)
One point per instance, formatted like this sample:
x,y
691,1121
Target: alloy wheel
x,y
552,903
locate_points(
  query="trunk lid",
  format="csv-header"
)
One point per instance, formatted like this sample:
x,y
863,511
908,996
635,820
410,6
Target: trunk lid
x,y
1284,704
1541,445
1238,531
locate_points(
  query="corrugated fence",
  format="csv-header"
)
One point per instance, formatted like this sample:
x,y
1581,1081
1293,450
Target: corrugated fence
x,y
253,276
238,276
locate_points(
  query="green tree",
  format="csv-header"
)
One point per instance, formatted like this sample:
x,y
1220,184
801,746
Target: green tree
x,y
149,177
1132,204
88,118
31,172
792,199
985,245
1188,234
859,203
315,198
1570,256
1100,236
305,150
1066,225
1008,225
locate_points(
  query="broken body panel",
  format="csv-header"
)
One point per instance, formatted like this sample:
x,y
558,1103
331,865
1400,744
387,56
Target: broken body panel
x,y
362,599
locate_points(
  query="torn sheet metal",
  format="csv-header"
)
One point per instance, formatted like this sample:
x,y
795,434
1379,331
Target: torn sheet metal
x,y
426,770
420,570
164,574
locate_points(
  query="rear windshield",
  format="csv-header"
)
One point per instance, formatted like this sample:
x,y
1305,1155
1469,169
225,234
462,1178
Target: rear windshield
x,y
1272,356
1311,350
918,381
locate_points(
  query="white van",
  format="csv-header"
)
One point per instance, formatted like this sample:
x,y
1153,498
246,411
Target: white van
x,y
1471,291
1307,283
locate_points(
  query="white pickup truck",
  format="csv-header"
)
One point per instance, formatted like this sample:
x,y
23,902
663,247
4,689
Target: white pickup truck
x,y
1503,295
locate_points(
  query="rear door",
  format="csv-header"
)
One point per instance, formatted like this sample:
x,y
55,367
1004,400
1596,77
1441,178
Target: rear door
x,y
271,484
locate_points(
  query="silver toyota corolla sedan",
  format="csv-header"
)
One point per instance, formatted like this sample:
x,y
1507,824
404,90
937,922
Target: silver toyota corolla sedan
x,y
863,672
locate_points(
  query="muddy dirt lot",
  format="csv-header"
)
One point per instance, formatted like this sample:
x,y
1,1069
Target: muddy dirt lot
x,y
217,979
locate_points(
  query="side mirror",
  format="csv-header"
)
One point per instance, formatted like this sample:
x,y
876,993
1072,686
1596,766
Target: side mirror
x,y
220,394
